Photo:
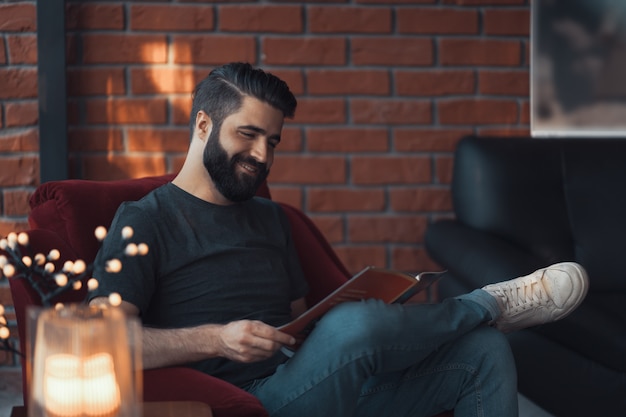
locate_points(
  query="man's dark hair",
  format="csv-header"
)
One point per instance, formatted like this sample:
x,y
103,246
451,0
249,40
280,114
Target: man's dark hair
x,y
221,92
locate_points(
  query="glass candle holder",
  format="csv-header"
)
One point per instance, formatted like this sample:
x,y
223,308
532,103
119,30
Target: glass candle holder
x,y
83,362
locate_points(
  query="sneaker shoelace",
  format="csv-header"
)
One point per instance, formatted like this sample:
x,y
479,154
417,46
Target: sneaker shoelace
x,y
521,295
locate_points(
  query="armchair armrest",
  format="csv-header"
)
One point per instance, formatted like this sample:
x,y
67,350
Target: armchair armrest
x,y
187,384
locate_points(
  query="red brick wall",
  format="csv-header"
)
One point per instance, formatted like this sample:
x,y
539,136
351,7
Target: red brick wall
x,y
385,89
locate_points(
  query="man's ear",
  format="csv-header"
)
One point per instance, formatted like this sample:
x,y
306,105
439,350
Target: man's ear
x,y
203,125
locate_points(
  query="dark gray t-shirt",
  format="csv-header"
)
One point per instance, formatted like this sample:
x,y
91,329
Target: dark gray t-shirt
x,y
206,264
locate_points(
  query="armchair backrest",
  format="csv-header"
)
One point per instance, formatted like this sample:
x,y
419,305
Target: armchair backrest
x,y
72,209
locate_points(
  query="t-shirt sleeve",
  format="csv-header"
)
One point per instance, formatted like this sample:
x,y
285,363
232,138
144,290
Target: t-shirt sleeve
x,y
136,281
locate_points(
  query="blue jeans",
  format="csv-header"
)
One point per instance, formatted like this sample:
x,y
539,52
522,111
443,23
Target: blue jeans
x,y
372,359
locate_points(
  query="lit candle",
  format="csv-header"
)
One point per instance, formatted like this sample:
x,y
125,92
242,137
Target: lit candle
x,y
101,393
75,387
63,386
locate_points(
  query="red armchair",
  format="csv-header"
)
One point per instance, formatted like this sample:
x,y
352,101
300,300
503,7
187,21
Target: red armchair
x,y
64,215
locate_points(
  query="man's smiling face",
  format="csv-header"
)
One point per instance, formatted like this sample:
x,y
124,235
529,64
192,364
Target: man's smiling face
x,y
239,153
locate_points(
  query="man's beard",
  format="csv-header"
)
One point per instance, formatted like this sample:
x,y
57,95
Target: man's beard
x,y
233,186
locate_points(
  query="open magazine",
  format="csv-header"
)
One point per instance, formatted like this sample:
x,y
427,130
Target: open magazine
x,y
383,284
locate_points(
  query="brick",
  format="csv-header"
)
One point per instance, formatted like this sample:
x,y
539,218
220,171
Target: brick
x,y
428,140
506,22
390,111
434,83
261,18
85,81
158,140
332,227
8,226
124,49
396,229
165,80
290,140
444,167
74,110
525,113
22,49
304,51
420,200
16,202
526,53
20,140
491,52
345,199
172,17
515,83
213,50
485,2
21,113
6,298
18,83
355,258
396,51
289,195
299,169
126,110
106,168
387,170
510,131
333,19
95,139
18,17
437,21
3,54
19,171
7,359
175,163
415,260
317,110
180,109
347,139
94,16
333,82
477,112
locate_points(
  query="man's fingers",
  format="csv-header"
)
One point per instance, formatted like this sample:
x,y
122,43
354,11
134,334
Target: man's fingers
x,y
265,331
250,341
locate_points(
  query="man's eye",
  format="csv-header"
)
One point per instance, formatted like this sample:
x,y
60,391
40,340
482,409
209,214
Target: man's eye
x,y
247,134
273,144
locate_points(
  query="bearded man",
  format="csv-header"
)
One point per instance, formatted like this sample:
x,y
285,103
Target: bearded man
x,y
222,274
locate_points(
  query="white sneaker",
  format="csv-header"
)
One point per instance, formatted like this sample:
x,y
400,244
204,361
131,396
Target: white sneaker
x,y
546,295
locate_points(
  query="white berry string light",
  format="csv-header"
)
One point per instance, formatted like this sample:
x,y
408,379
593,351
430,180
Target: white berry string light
x,y
18,262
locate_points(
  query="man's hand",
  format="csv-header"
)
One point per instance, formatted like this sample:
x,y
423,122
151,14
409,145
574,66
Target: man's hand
x,y
250,341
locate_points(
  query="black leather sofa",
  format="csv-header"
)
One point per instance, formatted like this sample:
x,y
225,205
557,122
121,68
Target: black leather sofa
x,y
521,204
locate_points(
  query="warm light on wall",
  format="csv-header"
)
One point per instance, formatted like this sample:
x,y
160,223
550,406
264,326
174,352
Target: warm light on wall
x,y
86,362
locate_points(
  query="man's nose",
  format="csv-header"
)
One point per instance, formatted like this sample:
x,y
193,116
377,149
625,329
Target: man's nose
x,y
260,150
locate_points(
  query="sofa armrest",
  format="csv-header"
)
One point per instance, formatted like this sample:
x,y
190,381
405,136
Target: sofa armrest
x,y
477,258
